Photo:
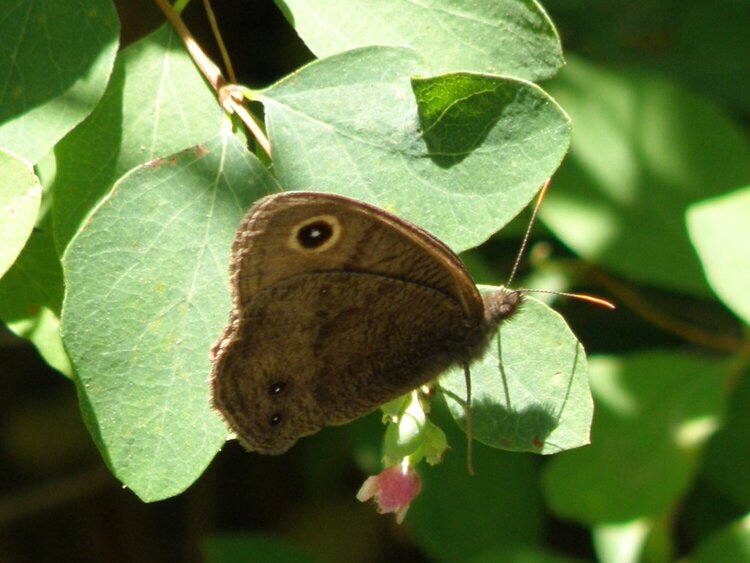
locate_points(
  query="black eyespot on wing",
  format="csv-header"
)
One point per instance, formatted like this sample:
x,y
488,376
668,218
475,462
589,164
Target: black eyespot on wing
x,y
275,419
276,388
315,234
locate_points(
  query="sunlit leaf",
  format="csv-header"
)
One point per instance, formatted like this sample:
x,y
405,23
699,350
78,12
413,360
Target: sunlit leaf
x,y
146,297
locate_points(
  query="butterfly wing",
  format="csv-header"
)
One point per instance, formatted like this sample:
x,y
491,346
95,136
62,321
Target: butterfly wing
x,y
270,247
338,308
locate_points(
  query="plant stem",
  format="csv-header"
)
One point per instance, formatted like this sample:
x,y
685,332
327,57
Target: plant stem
x,y
224,90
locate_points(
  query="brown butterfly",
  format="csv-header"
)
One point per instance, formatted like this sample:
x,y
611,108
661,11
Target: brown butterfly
x,y
337,308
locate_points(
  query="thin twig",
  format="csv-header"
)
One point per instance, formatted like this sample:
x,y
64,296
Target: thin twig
x,y
219,41
661,319
225,91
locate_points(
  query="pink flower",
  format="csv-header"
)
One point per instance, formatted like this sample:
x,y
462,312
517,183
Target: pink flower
x,y
393,490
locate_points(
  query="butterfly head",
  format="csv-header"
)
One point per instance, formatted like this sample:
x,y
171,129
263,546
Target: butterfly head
x,y
500,304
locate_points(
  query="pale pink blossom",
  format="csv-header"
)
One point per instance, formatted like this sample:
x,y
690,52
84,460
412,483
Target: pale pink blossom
x,y
393,490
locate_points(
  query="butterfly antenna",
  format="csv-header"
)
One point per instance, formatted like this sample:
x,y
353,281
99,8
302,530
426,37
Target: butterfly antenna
x,y
469,426
527,234
580,296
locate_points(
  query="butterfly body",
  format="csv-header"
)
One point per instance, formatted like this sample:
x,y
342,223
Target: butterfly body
x,y
339,307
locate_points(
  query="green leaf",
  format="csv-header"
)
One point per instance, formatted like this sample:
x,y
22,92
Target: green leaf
x,y
58,59
654,413
410,433
652,35
34,280
512,37
31,291
727,461
42,329
435,443
621,542
406,433
643,150
236,548
457,516
350,124
732,543
20,197
146,297
31,295
720,231
156,104
522,554
530,390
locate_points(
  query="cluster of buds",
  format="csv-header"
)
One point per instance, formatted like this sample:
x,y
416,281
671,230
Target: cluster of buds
x,y
410,437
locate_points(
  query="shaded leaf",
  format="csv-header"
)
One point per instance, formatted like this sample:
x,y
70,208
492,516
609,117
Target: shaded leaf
x,y
42,329
62,54
523,554
643,151
350,124
727,461
501,501
670,401
237,548
732,543
31,295
655,35
155,105
530,390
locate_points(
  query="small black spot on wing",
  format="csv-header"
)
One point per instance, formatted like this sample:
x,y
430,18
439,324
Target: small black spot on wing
x,y
314,234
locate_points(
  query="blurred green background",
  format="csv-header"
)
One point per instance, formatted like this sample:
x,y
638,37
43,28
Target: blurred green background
x,y
637,69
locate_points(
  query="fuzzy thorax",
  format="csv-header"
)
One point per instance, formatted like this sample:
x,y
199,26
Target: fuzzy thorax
x,y
499,305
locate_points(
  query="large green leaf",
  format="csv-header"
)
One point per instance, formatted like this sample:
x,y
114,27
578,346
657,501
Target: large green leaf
x,y
643,150
155,105
654,412
146,297
357,124
154,88
720,231
530,391
20,196
512,37
57,60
